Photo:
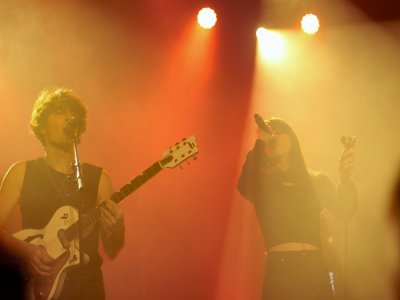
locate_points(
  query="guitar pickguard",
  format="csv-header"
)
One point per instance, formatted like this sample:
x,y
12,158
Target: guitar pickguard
x,y
52,237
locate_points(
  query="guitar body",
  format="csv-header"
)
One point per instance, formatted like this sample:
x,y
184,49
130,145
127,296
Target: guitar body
x,y
66,254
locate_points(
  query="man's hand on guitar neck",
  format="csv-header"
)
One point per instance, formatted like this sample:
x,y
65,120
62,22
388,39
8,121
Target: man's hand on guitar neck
x,y
38,261
111,218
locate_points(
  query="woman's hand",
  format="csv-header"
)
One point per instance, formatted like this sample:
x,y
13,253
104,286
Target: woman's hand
x,y
266,136
347,163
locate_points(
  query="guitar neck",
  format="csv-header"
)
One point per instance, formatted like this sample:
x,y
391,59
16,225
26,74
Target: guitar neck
x,y
136,182
91,218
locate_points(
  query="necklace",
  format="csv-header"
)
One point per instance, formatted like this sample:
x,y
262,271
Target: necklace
x,y
62,190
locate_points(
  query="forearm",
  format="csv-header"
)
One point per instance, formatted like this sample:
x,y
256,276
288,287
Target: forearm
x,y
13,252
347,199
113,240
341,201
251,169
11,244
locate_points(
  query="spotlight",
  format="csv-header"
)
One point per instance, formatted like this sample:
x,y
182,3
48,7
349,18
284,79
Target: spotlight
x,y
207,18
310,24
271,44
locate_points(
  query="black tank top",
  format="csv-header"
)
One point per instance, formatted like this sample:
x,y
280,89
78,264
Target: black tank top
x,y
44,190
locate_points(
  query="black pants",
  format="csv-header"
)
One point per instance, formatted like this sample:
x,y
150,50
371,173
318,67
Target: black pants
x,y
296,275
83,286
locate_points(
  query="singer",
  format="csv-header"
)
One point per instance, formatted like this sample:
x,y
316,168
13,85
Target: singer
x,y
41,186
289,201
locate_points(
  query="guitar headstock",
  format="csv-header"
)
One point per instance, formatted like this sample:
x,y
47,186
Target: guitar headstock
x,y
348,141
180,152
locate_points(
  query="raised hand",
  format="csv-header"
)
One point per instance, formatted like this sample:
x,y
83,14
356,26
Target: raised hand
x,y
266,136
347,160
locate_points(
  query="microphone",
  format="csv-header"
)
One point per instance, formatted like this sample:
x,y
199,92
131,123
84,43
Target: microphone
x,y
73,127
262,126
260,123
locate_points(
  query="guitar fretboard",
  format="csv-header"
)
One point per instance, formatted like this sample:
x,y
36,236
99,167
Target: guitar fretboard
x,y
91,218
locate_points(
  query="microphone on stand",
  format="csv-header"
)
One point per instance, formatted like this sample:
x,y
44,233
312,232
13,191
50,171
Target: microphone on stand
x,y
73,127
72,130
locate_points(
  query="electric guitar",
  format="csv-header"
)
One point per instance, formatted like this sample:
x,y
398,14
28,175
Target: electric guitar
x,y
60,237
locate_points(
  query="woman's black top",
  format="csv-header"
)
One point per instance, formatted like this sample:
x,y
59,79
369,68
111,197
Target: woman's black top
x,y
288,209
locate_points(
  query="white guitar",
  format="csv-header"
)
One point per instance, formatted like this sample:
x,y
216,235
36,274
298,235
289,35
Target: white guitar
x,y
60,237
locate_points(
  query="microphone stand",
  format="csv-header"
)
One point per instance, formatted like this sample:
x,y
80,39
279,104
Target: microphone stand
x,y
78,179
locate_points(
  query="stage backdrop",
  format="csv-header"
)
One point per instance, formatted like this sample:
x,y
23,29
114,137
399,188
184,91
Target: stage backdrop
x,y
150,77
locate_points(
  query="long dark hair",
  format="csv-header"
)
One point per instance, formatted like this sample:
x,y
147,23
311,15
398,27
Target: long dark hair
x,y
297,166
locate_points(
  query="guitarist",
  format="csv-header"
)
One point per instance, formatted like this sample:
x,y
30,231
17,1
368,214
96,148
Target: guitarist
x,y
43,185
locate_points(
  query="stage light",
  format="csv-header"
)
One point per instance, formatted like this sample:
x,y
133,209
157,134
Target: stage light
x,y
271,44
310,24
207,18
